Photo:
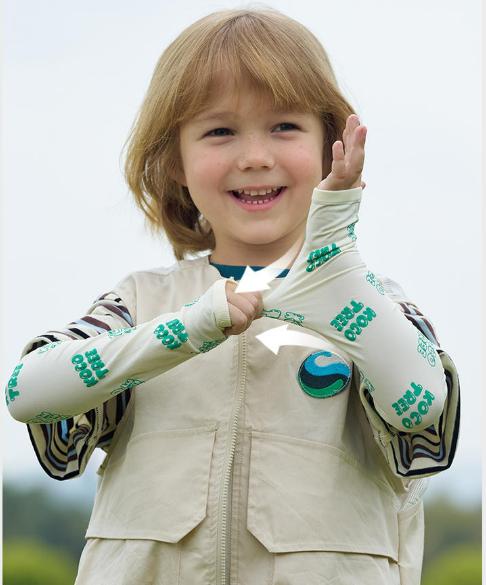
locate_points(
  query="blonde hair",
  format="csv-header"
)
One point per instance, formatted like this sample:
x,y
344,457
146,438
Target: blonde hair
x,y
275,54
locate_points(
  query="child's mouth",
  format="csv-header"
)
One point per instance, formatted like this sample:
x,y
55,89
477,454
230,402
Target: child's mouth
x,y
257,202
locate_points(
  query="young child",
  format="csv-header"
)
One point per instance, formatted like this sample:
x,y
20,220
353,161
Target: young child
x,y
228,462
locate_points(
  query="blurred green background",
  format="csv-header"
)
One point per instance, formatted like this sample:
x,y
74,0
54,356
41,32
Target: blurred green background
x,y
43,537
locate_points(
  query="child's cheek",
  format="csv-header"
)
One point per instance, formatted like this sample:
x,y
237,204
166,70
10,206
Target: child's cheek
x,y
208,170
308,167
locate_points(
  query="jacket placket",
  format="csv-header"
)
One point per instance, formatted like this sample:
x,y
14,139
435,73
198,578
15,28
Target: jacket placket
x,y
225,500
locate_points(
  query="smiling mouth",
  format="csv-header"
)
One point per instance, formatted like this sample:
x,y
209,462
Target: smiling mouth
x,y
257,199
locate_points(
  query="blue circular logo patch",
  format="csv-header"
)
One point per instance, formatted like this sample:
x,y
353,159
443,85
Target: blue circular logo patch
x,y
323,374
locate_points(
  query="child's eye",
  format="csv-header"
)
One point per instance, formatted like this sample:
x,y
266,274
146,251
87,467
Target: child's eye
x,y
210,133
287,124
222,131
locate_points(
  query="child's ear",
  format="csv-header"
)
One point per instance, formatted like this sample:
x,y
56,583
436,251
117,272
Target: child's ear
x,y
178,176
181,178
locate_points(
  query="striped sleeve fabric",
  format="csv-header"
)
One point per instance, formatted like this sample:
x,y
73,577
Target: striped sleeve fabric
x,y
431,450
63,448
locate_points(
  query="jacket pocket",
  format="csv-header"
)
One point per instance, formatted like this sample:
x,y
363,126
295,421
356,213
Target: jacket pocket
x,y
157,489
309,496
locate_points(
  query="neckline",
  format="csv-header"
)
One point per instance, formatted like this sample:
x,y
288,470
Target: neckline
x,y
236,271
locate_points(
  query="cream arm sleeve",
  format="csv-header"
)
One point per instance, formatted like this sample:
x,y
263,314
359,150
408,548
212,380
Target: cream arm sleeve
x,y
333,291
66,378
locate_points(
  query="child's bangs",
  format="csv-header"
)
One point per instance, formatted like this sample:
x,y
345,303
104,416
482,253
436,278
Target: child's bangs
x,y
267,61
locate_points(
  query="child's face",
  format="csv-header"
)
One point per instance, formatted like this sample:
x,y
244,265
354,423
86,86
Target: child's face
x,y
252,147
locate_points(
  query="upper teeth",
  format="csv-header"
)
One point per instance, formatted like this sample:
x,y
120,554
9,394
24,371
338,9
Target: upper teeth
x,y
260,192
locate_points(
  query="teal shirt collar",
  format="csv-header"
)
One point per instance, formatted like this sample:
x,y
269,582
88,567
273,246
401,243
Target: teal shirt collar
x,y
228,270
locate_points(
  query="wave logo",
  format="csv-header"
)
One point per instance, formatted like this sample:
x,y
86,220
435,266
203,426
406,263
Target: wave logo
x,y
323,374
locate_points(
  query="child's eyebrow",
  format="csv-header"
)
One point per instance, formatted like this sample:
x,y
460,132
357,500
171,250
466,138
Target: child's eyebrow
x,y
213,116
228,114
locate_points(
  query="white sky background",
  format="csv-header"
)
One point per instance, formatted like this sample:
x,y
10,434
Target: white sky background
x,y
74,75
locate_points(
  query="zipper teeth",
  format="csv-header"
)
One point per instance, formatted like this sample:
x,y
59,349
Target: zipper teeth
x,y
234,429
224,522
416,491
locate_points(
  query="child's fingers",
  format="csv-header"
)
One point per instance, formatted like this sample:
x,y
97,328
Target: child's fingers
x,y
361,135
356,153
349,131
357,138
338,162
355,168
239,322
338,151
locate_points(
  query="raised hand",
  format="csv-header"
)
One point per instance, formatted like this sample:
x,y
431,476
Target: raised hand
x,y
347,158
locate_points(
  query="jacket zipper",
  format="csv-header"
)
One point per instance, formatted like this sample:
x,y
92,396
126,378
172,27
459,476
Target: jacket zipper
x,y
225,539
415,494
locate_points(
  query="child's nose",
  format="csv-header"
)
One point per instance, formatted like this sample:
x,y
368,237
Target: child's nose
x,y
256,152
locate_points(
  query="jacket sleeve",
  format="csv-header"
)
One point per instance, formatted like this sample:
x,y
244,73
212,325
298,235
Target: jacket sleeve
x,y
71,387
431,450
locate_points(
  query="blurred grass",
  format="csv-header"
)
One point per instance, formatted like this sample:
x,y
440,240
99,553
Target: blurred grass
x,y
32,513
29,562
460,565
449,526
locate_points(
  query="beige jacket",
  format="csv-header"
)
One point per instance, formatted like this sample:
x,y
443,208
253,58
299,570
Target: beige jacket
x,y
224,471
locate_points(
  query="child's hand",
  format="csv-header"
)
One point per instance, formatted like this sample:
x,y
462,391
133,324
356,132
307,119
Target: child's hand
x,y
244,308
348,161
